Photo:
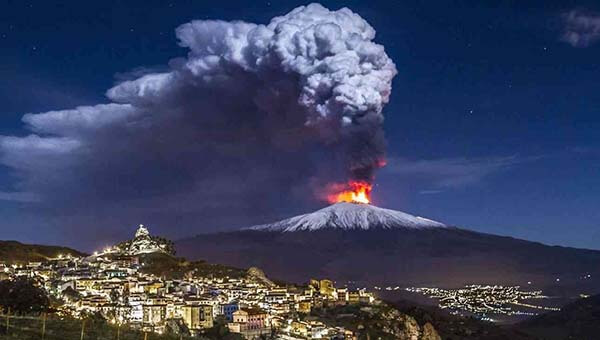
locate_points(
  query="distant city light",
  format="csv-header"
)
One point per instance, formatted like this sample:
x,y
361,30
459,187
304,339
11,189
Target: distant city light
x,y
482,300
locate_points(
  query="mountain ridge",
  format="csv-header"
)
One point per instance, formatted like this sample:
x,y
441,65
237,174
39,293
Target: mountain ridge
x,y
16,252
397,254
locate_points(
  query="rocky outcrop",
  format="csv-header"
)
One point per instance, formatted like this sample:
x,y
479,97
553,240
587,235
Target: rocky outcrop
x,y
405,327
429,333
411,330
258,275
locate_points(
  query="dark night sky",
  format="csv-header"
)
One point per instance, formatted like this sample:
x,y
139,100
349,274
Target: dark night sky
x,y
492,124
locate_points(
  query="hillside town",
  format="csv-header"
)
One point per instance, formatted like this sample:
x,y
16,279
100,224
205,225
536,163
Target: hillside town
x,y
115,284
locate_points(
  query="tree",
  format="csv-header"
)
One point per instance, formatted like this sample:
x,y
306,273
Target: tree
x,y
166,245
71,294
220,331
23,296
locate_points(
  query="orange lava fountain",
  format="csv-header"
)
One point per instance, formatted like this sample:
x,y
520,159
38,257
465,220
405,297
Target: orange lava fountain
x,y
357,192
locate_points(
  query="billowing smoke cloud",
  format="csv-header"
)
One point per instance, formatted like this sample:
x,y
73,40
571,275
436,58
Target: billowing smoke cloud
x,y
255,114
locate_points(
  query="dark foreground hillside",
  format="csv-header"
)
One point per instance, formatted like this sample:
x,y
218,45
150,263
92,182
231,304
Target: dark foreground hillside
x,y
579,320
94,327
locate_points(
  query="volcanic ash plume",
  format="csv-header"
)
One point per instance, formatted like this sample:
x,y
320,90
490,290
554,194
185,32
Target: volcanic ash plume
x,y
251,107
324,61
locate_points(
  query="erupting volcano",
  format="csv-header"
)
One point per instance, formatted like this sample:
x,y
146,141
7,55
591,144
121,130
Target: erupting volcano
x,y
357,192
350,209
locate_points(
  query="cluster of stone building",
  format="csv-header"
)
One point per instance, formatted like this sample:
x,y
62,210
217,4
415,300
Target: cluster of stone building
x,y
113,284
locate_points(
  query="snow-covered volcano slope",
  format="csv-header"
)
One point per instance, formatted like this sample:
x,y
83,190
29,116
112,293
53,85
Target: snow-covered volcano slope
x,y
349,216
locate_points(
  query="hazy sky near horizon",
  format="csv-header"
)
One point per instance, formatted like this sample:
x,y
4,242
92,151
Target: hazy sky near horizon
x,y
492,122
